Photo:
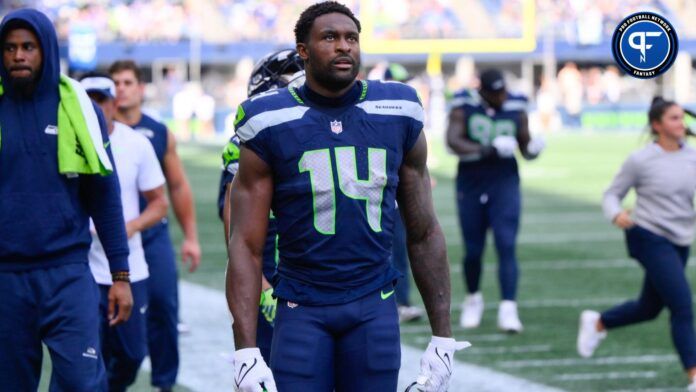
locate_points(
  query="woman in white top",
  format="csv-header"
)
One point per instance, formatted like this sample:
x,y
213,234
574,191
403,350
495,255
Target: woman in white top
x,y
658,235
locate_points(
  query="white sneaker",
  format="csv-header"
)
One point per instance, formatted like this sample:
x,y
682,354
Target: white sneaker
x,y
692,386
472,311
588,336
508,319
409,313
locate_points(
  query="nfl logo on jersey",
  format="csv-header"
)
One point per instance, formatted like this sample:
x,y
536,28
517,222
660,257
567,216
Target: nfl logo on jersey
x,y
336,127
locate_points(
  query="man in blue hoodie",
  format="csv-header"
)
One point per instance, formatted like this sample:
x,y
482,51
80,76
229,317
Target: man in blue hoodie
x,y
47,292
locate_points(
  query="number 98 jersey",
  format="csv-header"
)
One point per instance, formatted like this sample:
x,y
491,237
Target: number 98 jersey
x,y
483,123
335,165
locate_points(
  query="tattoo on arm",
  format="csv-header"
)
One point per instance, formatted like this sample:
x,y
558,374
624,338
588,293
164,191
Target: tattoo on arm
x,y
250,201
226,214
426,242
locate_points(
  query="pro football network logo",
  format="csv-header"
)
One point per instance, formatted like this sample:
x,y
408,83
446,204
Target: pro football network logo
x,y
645,45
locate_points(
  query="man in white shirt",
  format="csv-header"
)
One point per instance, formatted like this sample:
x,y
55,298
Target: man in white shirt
x,y
125,346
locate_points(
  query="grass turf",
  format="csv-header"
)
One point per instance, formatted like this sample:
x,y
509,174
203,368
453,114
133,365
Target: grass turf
x,y
570,259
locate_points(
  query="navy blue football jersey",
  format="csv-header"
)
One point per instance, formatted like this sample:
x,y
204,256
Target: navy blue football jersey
x,y
156,133
484,123
230,165
335,167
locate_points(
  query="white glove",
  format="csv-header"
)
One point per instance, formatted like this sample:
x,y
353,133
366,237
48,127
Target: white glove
x,y
536,146
251,374
505,145
436,365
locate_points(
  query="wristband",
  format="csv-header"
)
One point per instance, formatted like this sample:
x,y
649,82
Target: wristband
x,y
120,276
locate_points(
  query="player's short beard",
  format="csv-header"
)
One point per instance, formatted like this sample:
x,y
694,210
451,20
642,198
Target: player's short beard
x,y
24,86
330,80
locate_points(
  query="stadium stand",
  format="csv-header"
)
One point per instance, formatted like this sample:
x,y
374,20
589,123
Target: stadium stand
x,y
226,33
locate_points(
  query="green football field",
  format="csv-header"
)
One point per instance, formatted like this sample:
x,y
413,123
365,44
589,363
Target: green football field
x,y
570,258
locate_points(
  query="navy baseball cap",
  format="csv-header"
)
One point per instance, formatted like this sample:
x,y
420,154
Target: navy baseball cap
x,y
492,80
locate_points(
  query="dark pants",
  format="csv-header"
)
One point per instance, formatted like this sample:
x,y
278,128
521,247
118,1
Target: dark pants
x,y
400,260
264,337
488,196
163,311
125,345
58,306
665,285
349,347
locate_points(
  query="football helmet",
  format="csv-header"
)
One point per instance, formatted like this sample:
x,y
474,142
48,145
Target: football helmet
x,y
276,70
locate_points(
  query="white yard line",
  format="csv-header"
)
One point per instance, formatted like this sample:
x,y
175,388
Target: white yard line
x,y
555,303
604,376
492,350
577,264
206,351
467,377
533,265
545,265
563,217
666,389
564,303
422,333
560,303
582,264
557,362
547,217
533,348
588,202
555,237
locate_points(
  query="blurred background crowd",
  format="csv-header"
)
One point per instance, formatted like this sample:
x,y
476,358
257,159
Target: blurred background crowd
x,y
200,53
581,22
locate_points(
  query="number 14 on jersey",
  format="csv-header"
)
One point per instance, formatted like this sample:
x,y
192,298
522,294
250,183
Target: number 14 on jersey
x,y
321,176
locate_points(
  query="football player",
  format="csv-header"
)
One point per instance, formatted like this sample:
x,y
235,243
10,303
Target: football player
x,y
485,129
163,311
139,174
330,158
275,70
